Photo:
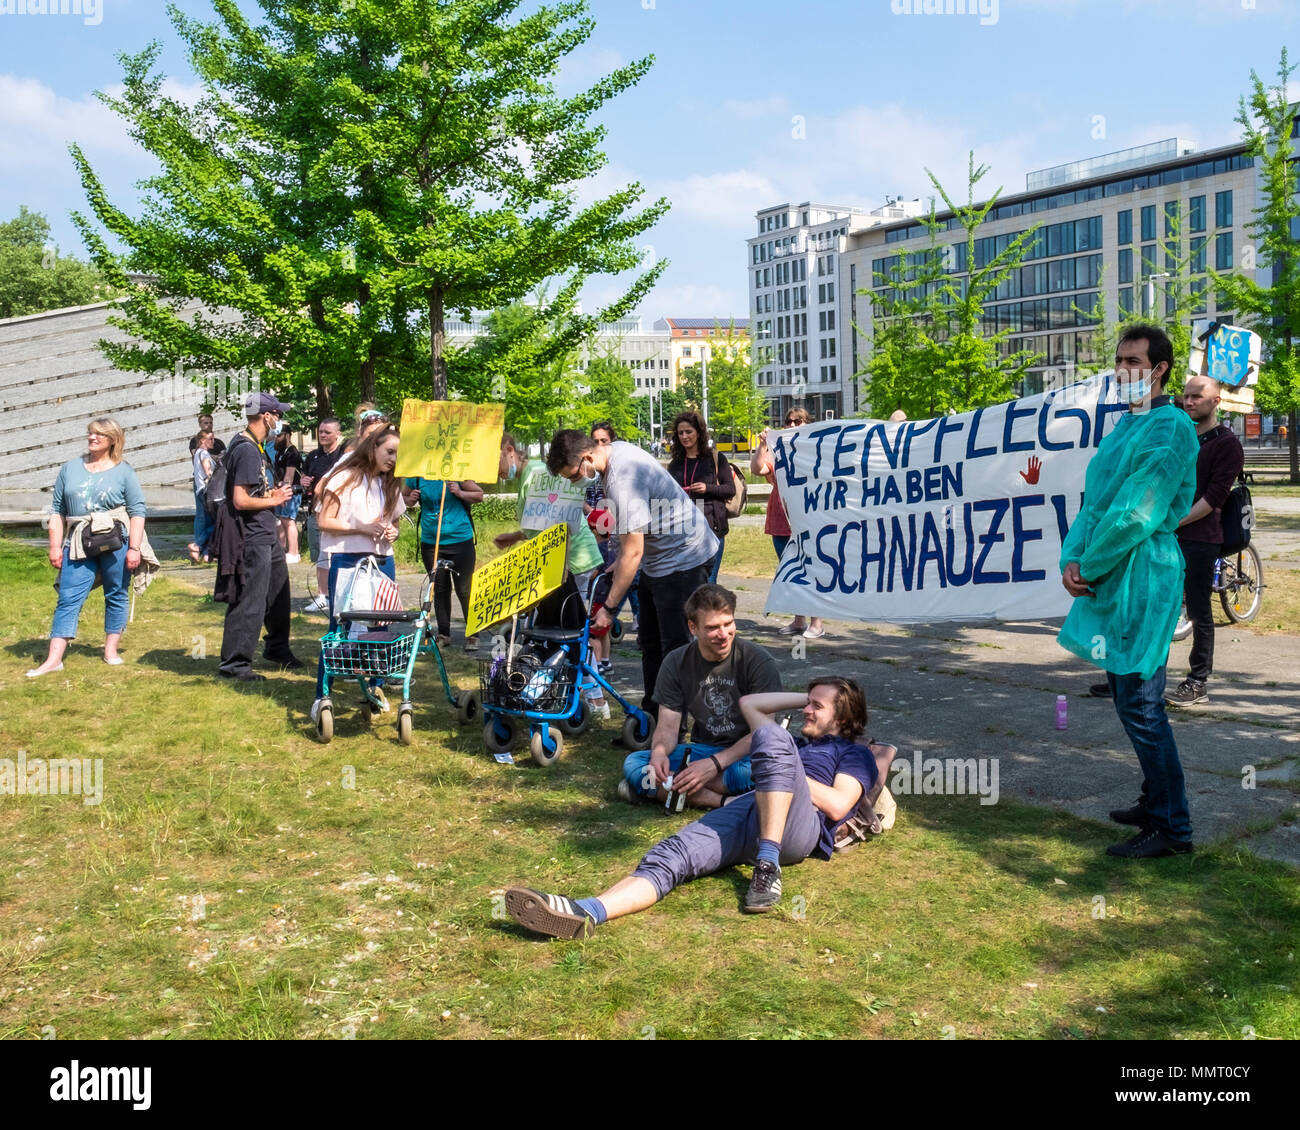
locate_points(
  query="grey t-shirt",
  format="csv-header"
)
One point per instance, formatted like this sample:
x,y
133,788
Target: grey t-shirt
x,y
711,692
645,499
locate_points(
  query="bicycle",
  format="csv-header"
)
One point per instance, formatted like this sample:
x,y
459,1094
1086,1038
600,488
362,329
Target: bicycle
x,y
1239,581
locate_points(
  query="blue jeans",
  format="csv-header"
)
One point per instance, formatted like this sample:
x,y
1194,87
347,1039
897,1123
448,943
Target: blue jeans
x,y
736,778
346,561
717,561
204,523
779,542
727,836
1140,704
77,578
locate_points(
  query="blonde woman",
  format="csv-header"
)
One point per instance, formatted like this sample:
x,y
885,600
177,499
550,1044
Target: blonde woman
x,y
777,524
100,493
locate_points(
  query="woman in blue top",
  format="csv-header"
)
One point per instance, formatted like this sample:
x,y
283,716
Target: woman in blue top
x,y
95,482
455,544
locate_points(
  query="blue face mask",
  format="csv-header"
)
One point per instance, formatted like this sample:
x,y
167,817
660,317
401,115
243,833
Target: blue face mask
x,y
512,471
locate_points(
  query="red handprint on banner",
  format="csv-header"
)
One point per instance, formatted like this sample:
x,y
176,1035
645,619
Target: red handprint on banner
x,y
1031,474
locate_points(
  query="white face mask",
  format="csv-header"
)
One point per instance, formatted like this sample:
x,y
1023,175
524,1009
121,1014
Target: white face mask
x,y
1134,392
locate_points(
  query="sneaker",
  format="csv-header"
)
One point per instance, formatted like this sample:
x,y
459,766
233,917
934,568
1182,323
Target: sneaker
x,y
794,628
811,633
443,641
1187,693
552,915
383,706
471,645
1136,816
292,558
626,794
243,677
36,672
1150,844
289,662
1099,690
764,888
605,666
321,603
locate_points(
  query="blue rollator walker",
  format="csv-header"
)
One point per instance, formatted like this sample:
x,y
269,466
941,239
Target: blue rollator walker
x,y
541,677
387,651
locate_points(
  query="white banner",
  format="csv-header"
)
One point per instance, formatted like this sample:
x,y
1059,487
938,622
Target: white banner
x,y
956,518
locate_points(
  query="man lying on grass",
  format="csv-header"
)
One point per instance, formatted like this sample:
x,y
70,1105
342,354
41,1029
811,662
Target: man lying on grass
x,y
803,792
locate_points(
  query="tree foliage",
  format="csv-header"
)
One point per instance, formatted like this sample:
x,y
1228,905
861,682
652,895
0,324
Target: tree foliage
x,y
34,277
355,170
1272,311
930,353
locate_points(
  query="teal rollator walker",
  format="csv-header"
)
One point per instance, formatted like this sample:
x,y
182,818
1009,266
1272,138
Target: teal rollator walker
x,y
377,646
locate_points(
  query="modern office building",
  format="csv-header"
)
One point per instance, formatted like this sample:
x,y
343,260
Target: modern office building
x,y
1109,225
795,291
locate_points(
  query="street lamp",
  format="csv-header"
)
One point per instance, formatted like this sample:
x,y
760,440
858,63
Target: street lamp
x,y
1151,291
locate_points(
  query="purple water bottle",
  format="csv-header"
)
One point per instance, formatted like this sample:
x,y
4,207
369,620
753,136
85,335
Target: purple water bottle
x,y
1061,711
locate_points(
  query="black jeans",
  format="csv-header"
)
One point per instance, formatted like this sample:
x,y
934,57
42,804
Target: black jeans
x,y
1199,557
462,558
663,621
264,599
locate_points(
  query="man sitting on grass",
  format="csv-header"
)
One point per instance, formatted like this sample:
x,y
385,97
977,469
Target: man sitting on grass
x,y
803,792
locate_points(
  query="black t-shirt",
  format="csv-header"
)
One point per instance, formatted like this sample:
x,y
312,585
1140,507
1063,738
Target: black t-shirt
x,y
711,692
251,469
217,446
290,458
316,466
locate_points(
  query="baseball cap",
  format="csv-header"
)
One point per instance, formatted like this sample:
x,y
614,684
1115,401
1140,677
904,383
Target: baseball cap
x,y
255,403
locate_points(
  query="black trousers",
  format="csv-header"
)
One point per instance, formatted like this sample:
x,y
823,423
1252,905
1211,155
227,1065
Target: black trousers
x,y
1199,557
264,599
663,621
462,558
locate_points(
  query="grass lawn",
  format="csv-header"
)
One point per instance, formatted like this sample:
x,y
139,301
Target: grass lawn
x,y
229,885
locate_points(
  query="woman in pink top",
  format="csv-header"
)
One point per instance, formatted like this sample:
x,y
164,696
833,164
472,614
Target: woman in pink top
x,y
777,524
361,504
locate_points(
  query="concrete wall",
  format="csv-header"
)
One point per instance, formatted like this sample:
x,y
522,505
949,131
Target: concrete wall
x,y
54,380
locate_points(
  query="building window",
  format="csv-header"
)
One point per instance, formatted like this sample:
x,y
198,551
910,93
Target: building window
x,y
1196,214
1149,222
1124,227
1171,217
1223,209
686,351
1223,249
1126,299
1149,259
1125,265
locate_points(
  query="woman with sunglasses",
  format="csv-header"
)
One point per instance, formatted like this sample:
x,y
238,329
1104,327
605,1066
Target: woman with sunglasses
x,y
777,524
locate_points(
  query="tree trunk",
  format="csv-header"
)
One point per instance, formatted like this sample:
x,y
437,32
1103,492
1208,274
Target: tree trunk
x,y
324,407
1294,441
437,329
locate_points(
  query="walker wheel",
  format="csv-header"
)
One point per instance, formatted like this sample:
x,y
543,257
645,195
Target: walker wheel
x,y
537,746
325,723
636,733
405,725
577,723
492,735
469,707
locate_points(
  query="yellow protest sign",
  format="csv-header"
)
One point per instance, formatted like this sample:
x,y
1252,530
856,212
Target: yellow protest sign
x,y
518,579
450,439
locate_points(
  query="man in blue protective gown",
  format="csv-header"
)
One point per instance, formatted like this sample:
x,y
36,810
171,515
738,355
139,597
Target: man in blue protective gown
x,y
1121,563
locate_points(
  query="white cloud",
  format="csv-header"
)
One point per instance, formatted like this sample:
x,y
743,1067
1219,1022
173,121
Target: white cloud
x,y
586,66
728,200
756,107
37,125
692,300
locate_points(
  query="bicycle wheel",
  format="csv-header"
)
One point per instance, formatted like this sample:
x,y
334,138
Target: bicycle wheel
x,y
1243,585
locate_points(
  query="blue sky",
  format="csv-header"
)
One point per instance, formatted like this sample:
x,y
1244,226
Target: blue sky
x,y
881,95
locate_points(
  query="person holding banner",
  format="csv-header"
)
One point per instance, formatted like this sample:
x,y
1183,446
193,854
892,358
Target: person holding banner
x,y
361,504
776,524
447,534
1121,563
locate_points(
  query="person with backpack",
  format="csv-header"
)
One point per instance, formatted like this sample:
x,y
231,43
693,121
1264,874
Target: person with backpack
x,y
204,463
252,575
704,475
1219,464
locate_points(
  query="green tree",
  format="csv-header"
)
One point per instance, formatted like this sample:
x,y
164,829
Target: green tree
x,y
34,277
1272,311
355,170
931,350
609,387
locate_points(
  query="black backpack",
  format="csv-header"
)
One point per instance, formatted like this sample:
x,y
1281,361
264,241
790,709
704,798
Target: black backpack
x,y
214,494
1238,518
